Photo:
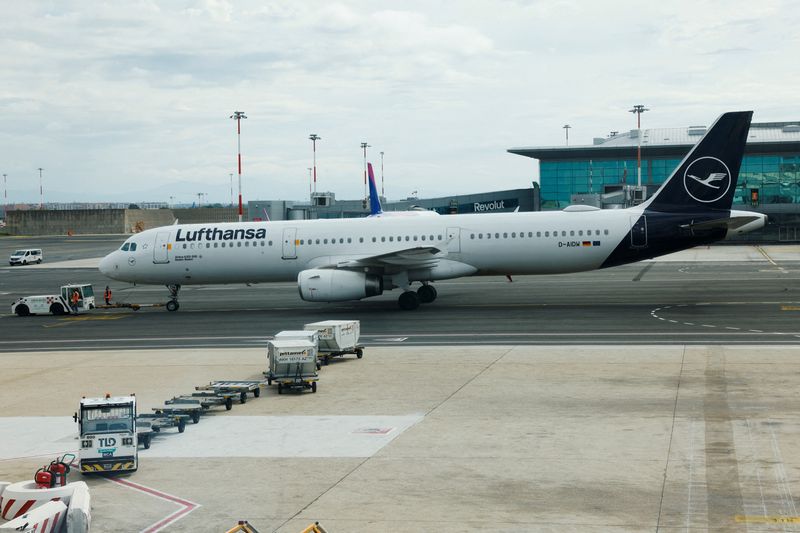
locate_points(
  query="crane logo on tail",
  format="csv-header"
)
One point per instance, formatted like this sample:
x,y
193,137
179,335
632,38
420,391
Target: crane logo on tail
x,y
707,179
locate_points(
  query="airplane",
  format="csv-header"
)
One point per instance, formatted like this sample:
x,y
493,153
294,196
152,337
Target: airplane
x,y
350,259
375,203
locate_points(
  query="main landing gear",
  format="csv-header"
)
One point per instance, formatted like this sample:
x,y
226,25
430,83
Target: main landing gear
x,y
172,304
410,300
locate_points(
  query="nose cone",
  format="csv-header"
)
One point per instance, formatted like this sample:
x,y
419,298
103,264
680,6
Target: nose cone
x,y
108,265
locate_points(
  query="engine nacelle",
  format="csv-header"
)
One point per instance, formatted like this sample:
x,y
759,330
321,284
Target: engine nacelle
x,y
331,285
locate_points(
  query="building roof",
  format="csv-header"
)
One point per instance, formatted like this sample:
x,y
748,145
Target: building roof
x,y
764,137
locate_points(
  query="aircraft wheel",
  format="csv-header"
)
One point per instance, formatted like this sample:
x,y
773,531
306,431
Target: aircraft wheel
x,y
173,305
427,294
408,300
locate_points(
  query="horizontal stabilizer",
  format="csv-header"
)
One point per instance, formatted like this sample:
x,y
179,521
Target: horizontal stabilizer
x,y
731,223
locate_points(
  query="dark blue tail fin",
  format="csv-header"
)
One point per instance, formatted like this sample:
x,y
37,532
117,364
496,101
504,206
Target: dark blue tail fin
x,y
374,199
706,178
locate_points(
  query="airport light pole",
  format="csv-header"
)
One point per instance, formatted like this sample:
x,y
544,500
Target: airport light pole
x,y
41,190
5,193
638,109
314,138
238,116
364,145
566,131
310,179
382,193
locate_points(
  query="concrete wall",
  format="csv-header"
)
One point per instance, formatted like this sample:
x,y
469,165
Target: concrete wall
x,y
78,221
109,221
137,220
201,215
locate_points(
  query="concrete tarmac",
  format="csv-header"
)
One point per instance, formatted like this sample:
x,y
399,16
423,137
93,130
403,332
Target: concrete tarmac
x,y
483,438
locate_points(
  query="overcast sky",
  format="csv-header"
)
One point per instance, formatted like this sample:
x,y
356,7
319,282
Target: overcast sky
x,y
129,101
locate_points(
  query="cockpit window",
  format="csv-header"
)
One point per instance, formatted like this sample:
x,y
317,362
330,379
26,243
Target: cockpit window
x,y
125,247
133,247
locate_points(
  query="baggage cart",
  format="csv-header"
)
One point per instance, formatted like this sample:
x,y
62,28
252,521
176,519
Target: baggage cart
x,y
240,387
337,338
292,365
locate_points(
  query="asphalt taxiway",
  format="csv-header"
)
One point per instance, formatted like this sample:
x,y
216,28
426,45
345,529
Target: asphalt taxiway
x,y
732,295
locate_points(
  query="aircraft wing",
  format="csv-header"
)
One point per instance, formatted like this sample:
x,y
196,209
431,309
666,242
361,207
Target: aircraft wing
x,y
403,259
417,257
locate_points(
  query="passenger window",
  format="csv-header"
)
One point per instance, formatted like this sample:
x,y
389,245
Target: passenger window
x,y
605,231
408,238
208,245
247,243
440,237
215,245
480,235
597,232
349,240
563,233
488,235
431,237
270,243
324,241
415,237
361,239
580,232
472,236
191,246
496,235
263,243
383,239
317,241
538,233
374,239
513,234
423,237
301,242
546,233
341,241
391,238
572,233
239,244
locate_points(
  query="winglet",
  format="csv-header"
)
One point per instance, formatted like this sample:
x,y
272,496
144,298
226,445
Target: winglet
x,y
374,199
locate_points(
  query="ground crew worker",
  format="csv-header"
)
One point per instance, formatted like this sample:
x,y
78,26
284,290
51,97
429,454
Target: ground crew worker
x,y
107,295
74,300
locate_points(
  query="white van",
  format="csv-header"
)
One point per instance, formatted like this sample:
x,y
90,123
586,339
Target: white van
x,y
26,257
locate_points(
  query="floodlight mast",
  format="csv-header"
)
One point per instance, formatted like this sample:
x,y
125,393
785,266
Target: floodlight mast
x,y
238,116
566,131
41,190
364,145
314,138
638,109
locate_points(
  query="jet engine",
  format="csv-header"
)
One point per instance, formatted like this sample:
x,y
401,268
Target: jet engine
x,y
331,285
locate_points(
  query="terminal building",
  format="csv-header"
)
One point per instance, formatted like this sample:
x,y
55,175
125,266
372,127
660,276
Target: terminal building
x,y
604,174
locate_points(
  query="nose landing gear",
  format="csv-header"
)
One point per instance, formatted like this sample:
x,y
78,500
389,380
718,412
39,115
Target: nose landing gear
x,y
172,304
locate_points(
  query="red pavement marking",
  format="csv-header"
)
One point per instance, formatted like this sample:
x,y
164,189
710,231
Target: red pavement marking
x,y
186,506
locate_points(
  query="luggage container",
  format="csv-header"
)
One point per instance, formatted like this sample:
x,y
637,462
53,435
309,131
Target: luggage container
x,y
310,335
292,364
337,338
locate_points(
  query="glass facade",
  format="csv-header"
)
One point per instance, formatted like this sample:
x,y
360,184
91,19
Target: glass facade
x,y
776,178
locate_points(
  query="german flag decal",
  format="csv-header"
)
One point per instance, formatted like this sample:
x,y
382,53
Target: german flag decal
x,y
587,243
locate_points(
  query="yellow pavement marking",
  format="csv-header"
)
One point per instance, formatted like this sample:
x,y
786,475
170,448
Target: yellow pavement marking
x,y
790,308
767,519
73,319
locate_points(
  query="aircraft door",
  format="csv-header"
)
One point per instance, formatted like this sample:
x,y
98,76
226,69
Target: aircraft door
x,y
290,243
162,248
454,240
639,232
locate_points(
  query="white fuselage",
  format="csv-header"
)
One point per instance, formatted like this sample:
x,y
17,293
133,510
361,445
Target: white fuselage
x,y
501,243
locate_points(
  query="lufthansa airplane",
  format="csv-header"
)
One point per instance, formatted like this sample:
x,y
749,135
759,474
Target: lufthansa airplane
x,y
351,259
